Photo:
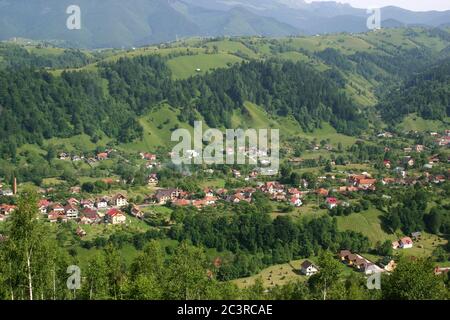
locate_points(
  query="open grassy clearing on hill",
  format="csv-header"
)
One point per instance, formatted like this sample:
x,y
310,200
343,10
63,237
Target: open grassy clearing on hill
x,y
416,123
368,223
279,274
233,47
185,66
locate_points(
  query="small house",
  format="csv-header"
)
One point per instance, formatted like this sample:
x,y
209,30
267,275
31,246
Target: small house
x,y
115,216
406,243
308,268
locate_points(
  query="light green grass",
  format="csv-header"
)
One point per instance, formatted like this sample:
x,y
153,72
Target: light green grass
x,y
232,46
279,274
158,125
416,123
185,66
368,223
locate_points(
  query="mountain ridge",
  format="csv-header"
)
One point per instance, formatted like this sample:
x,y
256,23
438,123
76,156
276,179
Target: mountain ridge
x,y
115,23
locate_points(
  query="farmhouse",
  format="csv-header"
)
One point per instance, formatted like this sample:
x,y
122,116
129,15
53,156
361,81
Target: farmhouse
x,y
6,209
119,200
165,195
102,156
43,206
80,232
115,216
136,212
181,202
152,179
101,203
331,202
57,207
322,192
296,202
308,268
406,243
89,216
71,212
55,216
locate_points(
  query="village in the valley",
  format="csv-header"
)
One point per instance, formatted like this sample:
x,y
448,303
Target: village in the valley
x,y
328,184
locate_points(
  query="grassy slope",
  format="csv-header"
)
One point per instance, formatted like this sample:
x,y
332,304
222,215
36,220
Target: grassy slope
x,y
368,223
416,123
185,66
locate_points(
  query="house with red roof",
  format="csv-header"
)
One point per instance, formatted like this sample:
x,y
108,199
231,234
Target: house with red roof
x,y
102,156
43,206
331,202
148,156
55,216
115,216
294,192
297,202
57,207
89,216
181,202
366,183
7,209
322,192
405,243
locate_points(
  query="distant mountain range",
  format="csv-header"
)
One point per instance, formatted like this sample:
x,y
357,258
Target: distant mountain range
x,y
119,23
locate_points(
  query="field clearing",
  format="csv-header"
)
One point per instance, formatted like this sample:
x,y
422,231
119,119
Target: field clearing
x,y
368,223
185,66
213,183
231,46
158,126
279,274
127,253
417,123
81,142
327,132
424,247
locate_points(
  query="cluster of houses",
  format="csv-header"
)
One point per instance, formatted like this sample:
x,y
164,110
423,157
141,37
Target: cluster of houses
x,y
87,211
281,193
273,189
77,157
441,139
359,263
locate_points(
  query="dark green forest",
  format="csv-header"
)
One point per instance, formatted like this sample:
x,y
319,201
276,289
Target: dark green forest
x,y
426,93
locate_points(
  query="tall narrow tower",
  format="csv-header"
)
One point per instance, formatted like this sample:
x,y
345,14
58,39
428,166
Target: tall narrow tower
x,y
15,186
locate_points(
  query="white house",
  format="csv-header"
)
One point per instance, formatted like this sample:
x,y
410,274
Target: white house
x,y
115,216
296,202
71,212
406,243
308,268
102,203
119,200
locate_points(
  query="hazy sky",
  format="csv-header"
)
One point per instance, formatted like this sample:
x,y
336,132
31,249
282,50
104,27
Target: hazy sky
x,y
416,5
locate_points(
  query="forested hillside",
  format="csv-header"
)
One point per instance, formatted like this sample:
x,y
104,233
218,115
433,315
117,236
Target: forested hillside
x,y
331,79
77,103
426,93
